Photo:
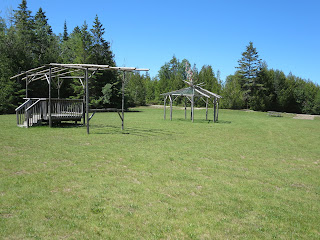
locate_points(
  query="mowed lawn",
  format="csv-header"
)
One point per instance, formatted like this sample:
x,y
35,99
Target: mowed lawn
x,y
249,176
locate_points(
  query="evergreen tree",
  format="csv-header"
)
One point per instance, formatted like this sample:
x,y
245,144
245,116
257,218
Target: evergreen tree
x,y
86,40
65,31
233,93
207,77
136,89
249,67
46,47
102,54
23,36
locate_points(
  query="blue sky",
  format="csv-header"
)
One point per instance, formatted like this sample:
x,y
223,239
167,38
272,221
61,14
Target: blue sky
x,y
147,34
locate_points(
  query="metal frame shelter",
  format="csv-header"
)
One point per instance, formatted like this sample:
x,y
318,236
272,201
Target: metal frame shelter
x,y
55,73
191,93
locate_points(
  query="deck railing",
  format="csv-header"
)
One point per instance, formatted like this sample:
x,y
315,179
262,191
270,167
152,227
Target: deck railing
x,y
34,113
36,110
21,112
66,108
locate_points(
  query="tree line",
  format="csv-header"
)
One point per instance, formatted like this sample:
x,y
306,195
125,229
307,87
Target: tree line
x,y
27,41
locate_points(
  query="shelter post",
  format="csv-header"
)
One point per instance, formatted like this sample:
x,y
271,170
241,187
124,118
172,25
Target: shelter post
x,y
207,109
84,104
214,109
185,108
192,105
122,107
87,99
59,88
164,104
49,107
170,97
26,85
218,110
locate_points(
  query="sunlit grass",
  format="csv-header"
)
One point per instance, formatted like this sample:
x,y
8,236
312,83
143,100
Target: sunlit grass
x,y
247,176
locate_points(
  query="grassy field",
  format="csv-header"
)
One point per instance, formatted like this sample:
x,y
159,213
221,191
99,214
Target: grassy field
x,y
249,176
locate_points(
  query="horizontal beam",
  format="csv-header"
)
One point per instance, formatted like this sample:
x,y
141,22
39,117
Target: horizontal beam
x,y
72,77
59,67
31,70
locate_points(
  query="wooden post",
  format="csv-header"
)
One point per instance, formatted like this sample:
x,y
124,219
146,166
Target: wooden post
x,y
192,105
26,85
122,110
170,97
207,109
218,109
59,88
185,108
87,99
214,109
49,107
83,105
164,104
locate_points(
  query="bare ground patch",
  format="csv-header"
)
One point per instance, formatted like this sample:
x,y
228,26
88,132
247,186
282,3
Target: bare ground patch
x,y
304,116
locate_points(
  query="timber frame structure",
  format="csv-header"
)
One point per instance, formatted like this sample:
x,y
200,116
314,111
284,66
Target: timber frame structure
x,y
190,93
35,110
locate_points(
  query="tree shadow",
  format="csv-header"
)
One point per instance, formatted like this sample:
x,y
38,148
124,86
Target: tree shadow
x,y
201,121
223,122
137,131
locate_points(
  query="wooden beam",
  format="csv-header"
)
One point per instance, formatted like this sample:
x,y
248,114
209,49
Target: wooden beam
x,y
34,69
201,93
46,71
72,77
58,75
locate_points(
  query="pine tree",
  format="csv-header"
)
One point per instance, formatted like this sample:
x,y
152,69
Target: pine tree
x,y
249,67
65,31
46,43
23,35
101,52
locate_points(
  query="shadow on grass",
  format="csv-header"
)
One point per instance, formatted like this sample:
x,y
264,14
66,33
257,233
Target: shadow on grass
x,y
223,122
109,129
201,121
66,125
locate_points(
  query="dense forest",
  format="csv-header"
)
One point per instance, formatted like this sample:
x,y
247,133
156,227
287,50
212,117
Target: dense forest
x,y
27,41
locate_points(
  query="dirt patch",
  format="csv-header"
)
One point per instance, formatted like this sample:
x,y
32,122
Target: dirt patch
x,y
304,116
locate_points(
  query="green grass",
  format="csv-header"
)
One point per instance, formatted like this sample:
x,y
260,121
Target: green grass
x,y
249,176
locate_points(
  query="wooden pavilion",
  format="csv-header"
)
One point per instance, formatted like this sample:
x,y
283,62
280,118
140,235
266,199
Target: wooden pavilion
x,y
193,93
36,110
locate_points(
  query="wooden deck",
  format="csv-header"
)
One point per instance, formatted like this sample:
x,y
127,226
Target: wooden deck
x,y
35,111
